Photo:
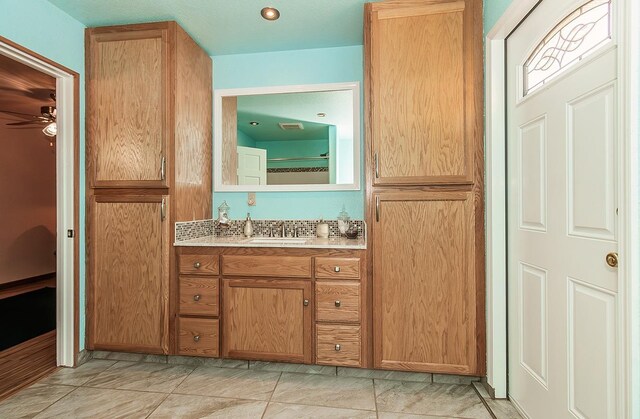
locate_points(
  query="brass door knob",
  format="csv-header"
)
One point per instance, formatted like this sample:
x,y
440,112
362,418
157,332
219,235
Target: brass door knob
x,y
196,338
338,347
305,302
196,265
196,297
336,269
338,303
612,259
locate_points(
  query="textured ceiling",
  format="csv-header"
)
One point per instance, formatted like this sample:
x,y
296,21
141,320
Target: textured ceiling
x,y
235,26
23,89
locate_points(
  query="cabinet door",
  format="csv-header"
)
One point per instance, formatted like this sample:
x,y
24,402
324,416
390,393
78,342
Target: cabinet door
x,y
127,107
128,274
267,319
424,282
424,91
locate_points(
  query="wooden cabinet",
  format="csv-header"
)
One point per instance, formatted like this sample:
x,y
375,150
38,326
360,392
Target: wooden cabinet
x,y
424,90
129,274
148,140
423,70
268,319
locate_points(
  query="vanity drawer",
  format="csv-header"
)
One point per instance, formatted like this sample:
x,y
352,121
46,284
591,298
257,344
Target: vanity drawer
x,y
199,264
338,268
274,266
337,302
199,296
198,337
338,345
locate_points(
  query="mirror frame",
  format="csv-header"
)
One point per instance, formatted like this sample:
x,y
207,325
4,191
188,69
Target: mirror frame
x,y
354,87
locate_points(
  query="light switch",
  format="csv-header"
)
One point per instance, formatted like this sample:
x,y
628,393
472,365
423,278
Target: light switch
x,y
251,199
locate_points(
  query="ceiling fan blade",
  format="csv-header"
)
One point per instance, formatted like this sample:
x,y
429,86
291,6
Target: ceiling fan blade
x,y
15,124
20,114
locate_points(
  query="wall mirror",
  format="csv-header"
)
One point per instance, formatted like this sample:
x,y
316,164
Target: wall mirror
x,y
287,138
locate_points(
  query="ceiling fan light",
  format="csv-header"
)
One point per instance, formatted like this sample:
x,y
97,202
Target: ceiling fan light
x,y
50,130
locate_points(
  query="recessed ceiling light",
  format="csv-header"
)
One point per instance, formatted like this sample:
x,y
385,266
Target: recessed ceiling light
x,y
270,13
321,114
254,123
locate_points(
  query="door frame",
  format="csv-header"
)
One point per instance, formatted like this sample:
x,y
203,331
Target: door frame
x,y
628,12
67,195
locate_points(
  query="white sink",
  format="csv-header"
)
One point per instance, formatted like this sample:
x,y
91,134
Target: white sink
x,y
277,240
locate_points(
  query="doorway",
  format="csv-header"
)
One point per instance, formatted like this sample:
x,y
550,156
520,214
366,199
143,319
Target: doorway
x,y
42,257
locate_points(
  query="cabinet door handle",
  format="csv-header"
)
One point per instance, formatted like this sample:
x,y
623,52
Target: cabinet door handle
x,y
163,210
305,302
338,303
377,209
336,269
375,164
163,168
196,338
338,347
196,297
197,265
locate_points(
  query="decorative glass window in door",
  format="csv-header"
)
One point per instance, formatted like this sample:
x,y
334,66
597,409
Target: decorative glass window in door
x,y
575,37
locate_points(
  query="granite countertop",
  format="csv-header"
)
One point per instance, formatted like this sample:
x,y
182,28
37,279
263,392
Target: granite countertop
x,y
302,242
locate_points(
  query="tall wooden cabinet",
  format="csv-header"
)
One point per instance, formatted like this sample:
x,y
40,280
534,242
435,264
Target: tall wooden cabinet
x,y
148,120
425,184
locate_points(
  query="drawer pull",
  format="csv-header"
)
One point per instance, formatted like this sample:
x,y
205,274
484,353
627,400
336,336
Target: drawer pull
x,y
336,269
197,265
305,302
337,303
196,338
338,347
197,297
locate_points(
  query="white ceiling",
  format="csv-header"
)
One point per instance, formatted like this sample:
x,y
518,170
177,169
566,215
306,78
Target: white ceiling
x,y
235,26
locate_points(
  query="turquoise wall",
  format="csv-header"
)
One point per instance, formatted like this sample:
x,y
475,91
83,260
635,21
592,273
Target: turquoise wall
x,y
493,9
310,66
244,140
47,30
295,148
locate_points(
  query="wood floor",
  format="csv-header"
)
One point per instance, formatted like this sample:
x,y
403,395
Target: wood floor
x,y
26,363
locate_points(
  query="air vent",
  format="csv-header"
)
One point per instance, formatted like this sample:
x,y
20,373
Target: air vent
x,y
291,126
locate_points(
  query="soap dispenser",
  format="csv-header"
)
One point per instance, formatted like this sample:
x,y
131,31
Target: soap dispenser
x,y
248,226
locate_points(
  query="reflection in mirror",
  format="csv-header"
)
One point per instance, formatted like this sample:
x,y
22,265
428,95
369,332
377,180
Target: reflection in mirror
x,y
301,138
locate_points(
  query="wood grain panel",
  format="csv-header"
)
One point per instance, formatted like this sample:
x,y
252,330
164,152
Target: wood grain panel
x,y
284,266
347,354
198,264
338,268
230,140
267,319
192,136
199,296
198,337
418,96
424,283
129,283
26,363
126,106
337,302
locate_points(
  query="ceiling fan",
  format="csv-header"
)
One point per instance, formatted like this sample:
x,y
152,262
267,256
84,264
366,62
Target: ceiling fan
x,y
47,118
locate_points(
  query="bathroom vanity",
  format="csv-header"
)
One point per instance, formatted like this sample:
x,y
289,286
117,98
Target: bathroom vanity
x,y
303,301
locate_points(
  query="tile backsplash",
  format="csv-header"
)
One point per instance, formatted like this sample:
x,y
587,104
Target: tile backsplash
x,y
306,228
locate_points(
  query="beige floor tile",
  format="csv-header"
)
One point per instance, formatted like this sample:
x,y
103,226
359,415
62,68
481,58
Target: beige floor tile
x,y
92,403
229,382
197,361
454,379
29,402
299,411
322,390
503,409
420,377
286,367
429,399
80,375
161,378
131,357
192,407
392,415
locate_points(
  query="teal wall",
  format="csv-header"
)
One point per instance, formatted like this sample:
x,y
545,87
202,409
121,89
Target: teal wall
x,y
47,30
493,9
310,66
244,140
295,148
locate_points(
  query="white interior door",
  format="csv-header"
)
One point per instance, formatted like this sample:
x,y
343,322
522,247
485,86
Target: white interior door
x,y
252,166
562,202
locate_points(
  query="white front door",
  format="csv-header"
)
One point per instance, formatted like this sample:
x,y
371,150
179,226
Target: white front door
x,y
564,308
252,166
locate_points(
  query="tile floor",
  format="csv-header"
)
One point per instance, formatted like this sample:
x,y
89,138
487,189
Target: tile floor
x,y
104,388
